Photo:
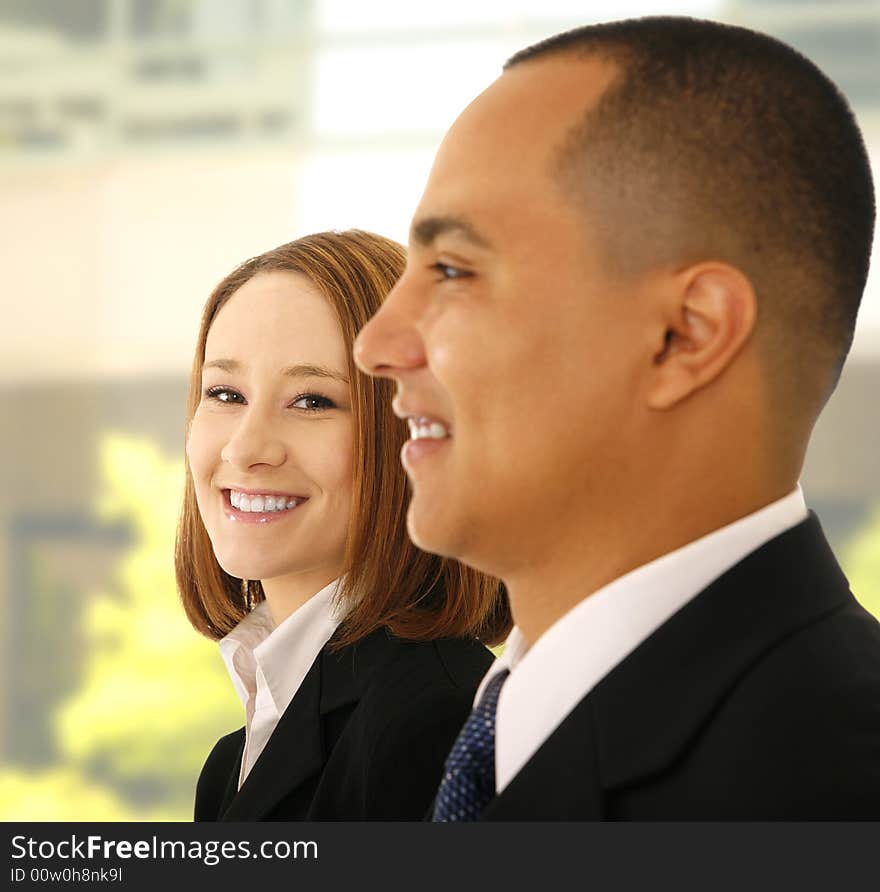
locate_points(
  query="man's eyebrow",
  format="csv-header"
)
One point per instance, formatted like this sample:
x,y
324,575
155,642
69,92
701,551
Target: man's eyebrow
x,y
302,370
424,231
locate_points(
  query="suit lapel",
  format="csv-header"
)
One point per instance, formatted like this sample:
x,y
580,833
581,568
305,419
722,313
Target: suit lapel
x,y
232,782
292,754
648,709
560,782
297,749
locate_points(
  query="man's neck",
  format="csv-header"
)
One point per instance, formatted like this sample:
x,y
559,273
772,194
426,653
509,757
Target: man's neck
x,y
581,562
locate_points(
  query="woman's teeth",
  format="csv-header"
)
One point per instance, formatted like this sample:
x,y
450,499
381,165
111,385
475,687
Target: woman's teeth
x,y
260,504
424,428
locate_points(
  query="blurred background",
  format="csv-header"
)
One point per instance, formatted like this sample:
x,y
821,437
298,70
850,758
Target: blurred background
x,y
147,147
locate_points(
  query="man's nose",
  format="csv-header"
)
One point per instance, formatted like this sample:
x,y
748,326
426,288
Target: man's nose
x,y
253,442
390,342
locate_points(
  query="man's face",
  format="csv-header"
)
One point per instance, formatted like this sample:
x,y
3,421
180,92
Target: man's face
x,y
505,333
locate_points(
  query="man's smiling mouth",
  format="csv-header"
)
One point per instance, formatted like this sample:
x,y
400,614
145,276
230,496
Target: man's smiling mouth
x,y
422,428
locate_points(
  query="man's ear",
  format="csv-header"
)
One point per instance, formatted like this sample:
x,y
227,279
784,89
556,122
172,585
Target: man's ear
x,y
707,315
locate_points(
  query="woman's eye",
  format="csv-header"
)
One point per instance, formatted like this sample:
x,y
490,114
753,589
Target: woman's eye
x,y
445,271
224,395
313,402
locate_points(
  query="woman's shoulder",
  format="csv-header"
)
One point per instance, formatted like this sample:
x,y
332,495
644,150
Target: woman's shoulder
x,y
416,677
222,762
381,657
226,751
412,699
462,662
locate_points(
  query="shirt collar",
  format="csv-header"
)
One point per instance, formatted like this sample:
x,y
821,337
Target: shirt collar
x,y
257,651
548,679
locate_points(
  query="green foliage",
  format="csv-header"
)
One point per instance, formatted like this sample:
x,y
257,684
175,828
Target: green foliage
x,y
59,794
63,794
861,561
154,696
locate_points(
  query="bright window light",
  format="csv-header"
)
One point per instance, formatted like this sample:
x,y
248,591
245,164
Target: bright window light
x,y
376,190
385,15
401,89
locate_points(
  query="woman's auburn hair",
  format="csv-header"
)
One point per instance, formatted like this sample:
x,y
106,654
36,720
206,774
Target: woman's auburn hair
x,y
387,581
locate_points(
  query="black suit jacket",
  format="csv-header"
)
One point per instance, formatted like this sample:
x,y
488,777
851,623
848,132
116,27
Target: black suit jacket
x,y
364,738
758,700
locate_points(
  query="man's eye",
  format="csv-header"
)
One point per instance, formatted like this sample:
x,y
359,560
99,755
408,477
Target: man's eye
x,y
313,402
445,271
224,395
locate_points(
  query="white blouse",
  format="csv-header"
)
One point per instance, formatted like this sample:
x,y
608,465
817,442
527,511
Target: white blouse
x,y
267,663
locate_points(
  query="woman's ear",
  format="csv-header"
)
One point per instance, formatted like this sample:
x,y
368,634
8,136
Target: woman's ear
x,y
707,317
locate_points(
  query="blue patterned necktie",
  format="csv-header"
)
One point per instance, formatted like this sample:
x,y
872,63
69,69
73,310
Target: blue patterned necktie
x,y
469,776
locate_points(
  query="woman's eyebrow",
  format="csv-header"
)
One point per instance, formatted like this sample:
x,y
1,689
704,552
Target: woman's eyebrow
x,y
313,371
225,365
301,370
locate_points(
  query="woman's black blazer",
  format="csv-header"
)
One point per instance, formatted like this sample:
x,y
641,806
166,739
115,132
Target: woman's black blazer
x,y
364,738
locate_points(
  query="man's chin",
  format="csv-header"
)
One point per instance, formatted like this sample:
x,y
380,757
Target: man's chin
x,y
427,530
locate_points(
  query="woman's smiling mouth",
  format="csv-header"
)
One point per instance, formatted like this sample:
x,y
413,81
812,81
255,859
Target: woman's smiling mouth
x,y
259,507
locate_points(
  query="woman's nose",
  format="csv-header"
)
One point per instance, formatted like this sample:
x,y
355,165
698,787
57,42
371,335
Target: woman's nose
x,y
254,442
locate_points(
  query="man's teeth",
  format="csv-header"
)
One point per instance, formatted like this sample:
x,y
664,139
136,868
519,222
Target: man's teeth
x,y
260,504
424,428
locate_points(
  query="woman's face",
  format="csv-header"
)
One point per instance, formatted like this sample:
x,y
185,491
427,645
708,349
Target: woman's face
x,y
270,445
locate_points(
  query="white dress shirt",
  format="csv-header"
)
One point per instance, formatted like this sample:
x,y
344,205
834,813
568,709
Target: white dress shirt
x,y
549,679
267,663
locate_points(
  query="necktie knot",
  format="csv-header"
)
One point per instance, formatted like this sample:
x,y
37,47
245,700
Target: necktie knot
x,y
469,774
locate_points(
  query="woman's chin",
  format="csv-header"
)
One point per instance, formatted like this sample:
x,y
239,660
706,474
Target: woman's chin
x,y
244,569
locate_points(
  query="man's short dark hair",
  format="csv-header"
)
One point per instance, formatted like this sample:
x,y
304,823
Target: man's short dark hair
x,y
715,142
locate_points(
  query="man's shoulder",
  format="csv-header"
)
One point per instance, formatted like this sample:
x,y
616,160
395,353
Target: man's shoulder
x,y
822,655
759,698
823,675
797,736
